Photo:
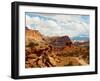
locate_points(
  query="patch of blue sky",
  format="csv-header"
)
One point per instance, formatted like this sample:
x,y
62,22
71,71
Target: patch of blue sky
x,y
84,35
41,17
85,18
34,25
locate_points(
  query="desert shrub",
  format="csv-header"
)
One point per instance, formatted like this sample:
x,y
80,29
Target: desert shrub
x,y
32,44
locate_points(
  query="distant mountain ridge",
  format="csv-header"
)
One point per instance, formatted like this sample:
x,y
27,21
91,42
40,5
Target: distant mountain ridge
x,y
79,38
61,41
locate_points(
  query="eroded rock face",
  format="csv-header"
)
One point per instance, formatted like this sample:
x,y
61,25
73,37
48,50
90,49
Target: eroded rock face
x,y
62,42
33,35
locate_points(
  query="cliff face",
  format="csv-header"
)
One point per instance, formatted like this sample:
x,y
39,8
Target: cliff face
x,y
61,41
33,35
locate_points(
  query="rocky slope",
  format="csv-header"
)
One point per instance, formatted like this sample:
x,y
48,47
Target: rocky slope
x,y
44,51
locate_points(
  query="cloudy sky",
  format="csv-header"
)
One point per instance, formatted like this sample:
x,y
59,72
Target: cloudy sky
x,y
58,24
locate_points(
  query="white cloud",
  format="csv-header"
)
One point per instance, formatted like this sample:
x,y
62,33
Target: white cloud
x,y
71,25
